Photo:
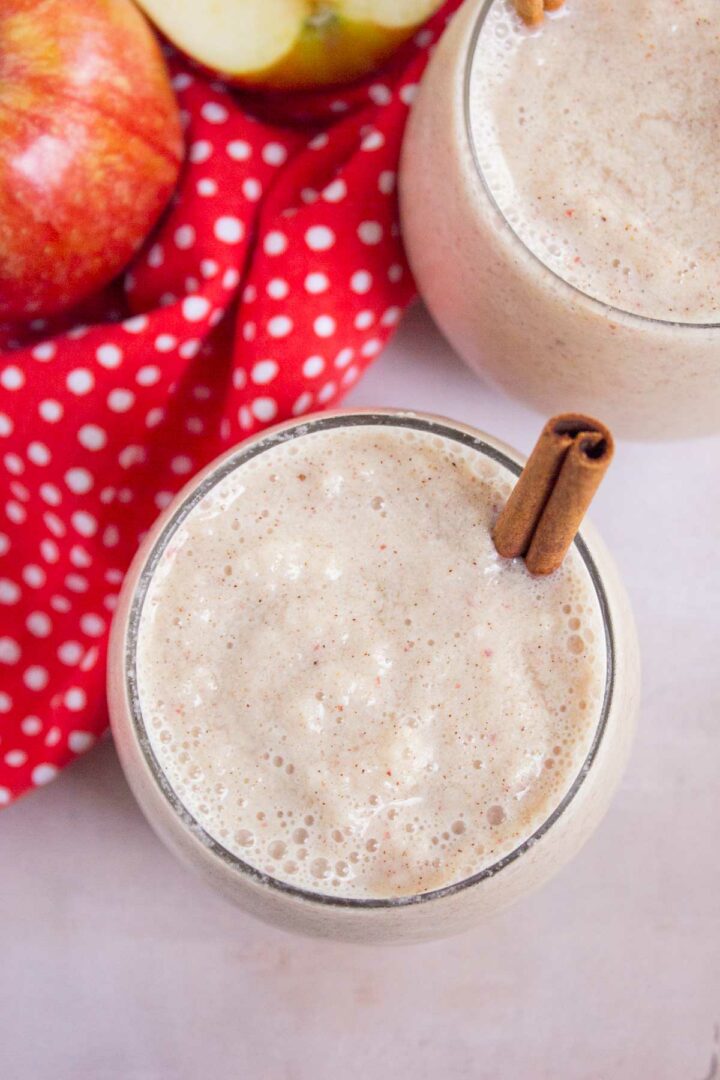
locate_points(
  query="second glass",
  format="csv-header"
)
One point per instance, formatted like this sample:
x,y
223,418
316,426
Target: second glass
x,y
513,318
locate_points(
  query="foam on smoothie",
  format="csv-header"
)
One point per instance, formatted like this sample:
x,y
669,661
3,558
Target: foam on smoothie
x,y
598,137
344,683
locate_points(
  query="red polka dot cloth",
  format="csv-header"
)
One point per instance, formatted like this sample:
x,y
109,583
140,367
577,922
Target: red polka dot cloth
x,y
273,280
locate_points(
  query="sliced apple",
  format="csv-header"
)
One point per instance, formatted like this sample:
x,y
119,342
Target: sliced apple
x,y
289,44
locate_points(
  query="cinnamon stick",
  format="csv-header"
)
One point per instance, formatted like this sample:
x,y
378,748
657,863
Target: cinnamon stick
x,y
553,492
531,11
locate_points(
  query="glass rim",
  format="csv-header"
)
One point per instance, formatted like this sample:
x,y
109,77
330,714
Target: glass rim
x,y
643,320
236,459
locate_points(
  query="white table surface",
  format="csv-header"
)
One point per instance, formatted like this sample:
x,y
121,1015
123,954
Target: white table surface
x,y
116,963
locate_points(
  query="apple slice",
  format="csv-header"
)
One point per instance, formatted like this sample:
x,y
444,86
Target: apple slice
x,y
289,44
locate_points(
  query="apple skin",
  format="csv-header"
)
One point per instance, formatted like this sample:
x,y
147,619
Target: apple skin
x,y
90,147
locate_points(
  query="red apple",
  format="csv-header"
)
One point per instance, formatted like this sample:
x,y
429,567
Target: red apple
x,y
90,147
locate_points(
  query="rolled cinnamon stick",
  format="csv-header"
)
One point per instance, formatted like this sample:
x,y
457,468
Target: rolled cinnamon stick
x,y
553,492
530,11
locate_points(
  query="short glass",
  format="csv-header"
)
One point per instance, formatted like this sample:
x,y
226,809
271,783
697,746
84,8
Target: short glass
x,y
512,318
432,914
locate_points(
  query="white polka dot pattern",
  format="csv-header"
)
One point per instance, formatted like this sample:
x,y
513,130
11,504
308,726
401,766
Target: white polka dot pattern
x,y
274,279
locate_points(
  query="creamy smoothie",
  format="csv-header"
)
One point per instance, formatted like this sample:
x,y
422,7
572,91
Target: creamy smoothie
x,y
334,698
344,682
598,138
561,206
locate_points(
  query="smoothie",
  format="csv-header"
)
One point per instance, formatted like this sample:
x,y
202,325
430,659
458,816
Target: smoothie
x,y
345,684
560,207
337,702
611,184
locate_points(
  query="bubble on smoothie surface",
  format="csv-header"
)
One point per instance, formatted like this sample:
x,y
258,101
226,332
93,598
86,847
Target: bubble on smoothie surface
x,y
401,707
